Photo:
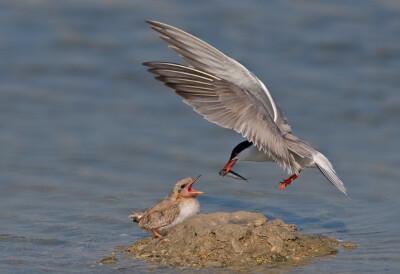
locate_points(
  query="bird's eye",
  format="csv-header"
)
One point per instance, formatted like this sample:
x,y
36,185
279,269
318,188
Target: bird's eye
x,y
183,186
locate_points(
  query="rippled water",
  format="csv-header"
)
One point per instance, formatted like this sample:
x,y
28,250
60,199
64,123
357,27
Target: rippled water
x,y
87,135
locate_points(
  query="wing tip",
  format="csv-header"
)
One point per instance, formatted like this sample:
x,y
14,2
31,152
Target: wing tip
x,y
158,26
334,180
152,22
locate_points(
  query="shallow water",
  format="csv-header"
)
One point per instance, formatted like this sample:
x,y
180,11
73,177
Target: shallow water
x,y
87,135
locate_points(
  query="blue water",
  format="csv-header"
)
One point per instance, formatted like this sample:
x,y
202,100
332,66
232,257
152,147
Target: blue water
x,y
87,135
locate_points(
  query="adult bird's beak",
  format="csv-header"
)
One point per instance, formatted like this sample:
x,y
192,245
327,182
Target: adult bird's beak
x,y
228,167
191,190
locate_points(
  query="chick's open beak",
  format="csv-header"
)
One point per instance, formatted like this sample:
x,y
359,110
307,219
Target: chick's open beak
x,y
191,190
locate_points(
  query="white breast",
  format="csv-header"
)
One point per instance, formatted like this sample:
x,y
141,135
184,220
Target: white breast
x,y
254,155
187,207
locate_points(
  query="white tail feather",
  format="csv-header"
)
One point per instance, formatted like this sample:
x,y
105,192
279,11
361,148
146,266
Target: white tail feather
x,y
326,168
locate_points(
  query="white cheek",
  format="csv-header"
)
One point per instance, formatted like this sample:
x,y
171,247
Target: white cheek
x,y
254,155
244,155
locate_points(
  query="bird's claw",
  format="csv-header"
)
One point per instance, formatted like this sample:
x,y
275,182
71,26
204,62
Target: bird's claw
x,y
287,182
283,185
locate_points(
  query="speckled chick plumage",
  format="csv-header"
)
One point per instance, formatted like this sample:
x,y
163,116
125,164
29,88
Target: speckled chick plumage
x,y
178,206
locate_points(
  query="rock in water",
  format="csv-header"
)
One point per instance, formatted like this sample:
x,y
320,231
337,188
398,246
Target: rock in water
x,y
233,239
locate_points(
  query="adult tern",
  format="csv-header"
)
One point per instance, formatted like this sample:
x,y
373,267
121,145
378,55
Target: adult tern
x,y
224,92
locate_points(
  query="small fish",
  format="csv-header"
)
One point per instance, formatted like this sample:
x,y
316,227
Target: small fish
x,y
232,174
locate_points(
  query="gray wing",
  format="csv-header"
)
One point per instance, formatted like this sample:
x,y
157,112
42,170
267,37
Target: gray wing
x,y
225,104
157,218
203,56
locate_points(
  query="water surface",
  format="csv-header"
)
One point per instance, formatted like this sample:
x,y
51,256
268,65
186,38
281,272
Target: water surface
x,y
87,135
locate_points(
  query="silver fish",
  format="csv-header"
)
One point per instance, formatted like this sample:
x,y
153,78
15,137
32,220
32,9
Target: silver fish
x,y
232,174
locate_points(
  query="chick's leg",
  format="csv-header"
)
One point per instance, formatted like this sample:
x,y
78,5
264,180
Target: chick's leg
x,y
156,233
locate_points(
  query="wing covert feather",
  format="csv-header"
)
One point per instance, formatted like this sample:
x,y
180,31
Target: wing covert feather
x,y
160,216
225,104
208,59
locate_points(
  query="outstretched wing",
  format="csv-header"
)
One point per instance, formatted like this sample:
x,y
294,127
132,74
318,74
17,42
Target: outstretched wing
x,y
226,104
208,59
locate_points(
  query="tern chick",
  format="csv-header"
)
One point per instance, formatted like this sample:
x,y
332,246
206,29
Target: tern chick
x,y
178,206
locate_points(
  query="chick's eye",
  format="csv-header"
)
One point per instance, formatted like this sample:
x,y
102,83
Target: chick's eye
x,y
183,186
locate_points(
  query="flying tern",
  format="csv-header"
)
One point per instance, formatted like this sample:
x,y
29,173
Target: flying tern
x,y
224,92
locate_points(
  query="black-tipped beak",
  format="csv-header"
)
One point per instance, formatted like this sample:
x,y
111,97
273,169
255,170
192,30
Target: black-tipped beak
x,y
227,167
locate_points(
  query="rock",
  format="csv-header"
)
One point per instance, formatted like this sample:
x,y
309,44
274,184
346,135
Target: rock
x,y
349,245
109,259
233,239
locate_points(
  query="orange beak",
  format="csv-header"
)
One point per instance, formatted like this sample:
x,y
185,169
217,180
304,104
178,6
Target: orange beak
x,y
191,190
229,165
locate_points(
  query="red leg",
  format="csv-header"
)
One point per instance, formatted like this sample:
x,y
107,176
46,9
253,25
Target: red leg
x,y
287,182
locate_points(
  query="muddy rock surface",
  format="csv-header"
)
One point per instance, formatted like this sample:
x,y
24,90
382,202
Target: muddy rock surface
x,y
233,239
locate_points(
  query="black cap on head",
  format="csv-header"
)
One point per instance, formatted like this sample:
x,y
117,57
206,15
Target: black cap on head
x,y
239,148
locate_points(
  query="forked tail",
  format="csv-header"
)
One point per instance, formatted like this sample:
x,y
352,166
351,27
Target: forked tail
x,y
326,168
136,217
